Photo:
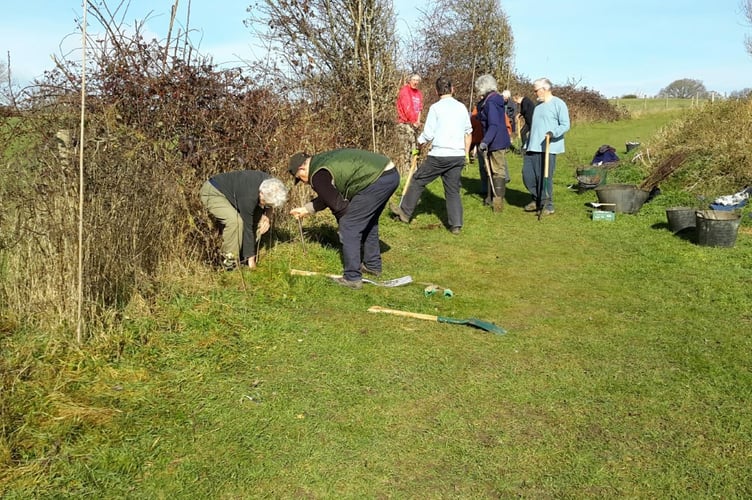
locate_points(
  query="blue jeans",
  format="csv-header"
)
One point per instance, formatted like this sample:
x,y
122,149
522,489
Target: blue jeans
x,y
359,227
449,168
532,177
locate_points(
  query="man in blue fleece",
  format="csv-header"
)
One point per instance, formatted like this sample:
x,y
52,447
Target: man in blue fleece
x,y
550,119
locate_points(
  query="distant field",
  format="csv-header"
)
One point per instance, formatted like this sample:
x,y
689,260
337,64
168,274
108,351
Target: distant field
x,y
653,105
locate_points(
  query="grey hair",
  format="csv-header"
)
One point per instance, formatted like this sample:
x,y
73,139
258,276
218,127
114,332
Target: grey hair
x,y
485,84
506,94
274,192
543,82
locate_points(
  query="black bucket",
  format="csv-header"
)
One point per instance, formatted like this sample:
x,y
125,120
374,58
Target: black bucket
x,y
716,228
632,145
680,218
626,198
590,178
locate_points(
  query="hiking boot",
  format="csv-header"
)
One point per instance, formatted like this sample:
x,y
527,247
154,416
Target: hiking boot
x,y
366,270
530,207
229,262
455,230
354,285
397,211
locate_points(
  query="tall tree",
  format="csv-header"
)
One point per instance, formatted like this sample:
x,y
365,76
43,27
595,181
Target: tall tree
x,y
337,55
466,38
684,89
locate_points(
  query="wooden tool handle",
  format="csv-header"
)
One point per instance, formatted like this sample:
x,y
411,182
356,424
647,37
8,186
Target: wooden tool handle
x,y
298,272
396,312
413,164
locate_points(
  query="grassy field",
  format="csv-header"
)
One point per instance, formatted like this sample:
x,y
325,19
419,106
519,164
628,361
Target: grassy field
x,y
641,106
625,371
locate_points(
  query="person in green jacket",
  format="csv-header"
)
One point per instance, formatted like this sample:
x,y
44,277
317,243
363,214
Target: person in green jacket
x,y
355,185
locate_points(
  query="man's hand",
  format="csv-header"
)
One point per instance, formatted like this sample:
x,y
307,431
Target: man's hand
x,y
263,225
550,135
483,147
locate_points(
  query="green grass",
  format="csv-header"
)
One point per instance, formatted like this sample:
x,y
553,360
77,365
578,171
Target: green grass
x,y
625,371
643,106
584,139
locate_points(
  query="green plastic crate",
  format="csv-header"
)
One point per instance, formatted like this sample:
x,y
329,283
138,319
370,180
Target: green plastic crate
x,y
604,215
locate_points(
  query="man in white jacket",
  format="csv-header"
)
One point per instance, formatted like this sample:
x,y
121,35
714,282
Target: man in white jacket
x,y
448,129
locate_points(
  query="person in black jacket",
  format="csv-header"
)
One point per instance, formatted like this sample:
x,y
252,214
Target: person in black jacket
x,y
242,201
525,107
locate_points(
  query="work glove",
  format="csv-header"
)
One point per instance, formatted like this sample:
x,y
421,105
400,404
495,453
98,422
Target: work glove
x,y
467,160
550,135
415,151
483,147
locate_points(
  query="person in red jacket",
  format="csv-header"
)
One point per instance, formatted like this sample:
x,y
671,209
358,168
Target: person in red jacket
x,y
409,109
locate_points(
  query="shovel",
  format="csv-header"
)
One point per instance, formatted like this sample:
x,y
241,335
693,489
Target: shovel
x,y
542,190
302,238
388,283
413,164
477,323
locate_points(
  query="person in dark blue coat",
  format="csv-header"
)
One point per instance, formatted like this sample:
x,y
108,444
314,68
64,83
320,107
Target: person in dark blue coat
x,y
496,140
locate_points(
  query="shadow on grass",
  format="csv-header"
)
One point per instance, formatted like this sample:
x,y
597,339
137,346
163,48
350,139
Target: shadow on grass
x,y
512,196
325,235
687,234
431,203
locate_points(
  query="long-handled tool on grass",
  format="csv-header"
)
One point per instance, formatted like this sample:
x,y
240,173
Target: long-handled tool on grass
x,y
543,186
413,165
302,238
498,203
258,245
404,280
477,323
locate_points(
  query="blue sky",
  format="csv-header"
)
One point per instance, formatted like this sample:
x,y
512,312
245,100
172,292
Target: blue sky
x,y
615,47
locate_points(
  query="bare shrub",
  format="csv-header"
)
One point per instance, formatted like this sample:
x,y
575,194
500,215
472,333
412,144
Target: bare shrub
x,y
465,39
336,60
587,105
715,145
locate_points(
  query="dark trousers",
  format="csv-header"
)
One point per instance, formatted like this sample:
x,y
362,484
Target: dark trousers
x,y
532,177
359,227
449,168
